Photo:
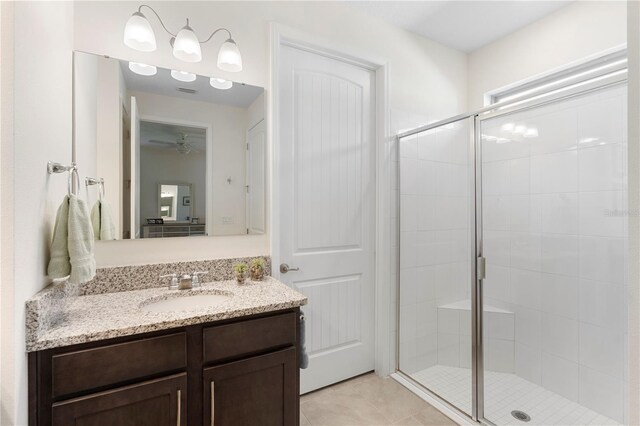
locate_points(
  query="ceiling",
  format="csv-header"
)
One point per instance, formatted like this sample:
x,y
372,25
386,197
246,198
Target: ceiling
x,y
463,25
240,95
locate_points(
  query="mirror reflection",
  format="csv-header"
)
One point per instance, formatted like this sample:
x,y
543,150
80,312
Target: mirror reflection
x,y
180,154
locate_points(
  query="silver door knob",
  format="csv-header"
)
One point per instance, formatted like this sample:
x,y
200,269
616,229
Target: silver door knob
x,y
284,268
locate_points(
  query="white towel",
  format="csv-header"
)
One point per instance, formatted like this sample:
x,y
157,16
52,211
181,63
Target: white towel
x,y
80,242
102,222
59,264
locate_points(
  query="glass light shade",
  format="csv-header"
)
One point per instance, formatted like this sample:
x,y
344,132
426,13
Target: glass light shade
x,y
229,58
138,33
186,46
220,83
183,76
531,133
142,69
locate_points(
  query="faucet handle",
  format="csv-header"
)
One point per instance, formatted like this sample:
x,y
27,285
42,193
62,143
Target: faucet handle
x,y
195,276
174,280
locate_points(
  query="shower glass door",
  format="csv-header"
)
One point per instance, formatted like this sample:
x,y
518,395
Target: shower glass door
x,y
554,229
437,254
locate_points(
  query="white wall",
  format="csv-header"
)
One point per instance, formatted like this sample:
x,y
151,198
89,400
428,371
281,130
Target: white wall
x,y
574,32
7,302
86,83
43,37
426,79
229,126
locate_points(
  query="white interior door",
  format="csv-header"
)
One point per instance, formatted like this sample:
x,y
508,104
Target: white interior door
x,y
326,208
256,175
135,169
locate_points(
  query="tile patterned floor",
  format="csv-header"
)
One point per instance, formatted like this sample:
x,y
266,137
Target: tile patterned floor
x,y
368,400
507,392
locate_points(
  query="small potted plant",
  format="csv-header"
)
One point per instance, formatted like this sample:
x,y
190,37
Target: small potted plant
x,y
257,269
241,272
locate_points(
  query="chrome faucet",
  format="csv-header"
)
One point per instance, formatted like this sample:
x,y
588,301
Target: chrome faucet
x,y
184,281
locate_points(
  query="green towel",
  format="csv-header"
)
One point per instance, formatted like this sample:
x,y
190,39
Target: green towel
x,y
102,222
80,242
59,264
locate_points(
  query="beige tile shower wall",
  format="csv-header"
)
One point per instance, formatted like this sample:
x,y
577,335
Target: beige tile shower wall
x,y
554,222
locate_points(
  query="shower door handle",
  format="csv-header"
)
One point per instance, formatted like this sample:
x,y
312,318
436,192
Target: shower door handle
x,y
481,271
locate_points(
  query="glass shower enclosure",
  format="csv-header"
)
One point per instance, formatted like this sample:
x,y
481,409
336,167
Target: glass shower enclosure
x,y
513,259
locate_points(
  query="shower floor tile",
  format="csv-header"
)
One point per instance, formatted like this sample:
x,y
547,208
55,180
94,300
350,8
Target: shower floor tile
x,y
506,392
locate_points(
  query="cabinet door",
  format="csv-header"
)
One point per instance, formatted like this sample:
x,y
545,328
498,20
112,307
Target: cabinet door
x,y
154,403
261,390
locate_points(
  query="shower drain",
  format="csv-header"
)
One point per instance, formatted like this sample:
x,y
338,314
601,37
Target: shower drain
x,y
520,415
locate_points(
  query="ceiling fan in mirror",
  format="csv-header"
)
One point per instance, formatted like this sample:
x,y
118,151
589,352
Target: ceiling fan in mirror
x,y
181,144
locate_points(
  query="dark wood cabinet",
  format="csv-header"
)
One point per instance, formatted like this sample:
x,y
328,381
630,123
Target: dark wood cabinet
x,y
158,402
259,390
247,366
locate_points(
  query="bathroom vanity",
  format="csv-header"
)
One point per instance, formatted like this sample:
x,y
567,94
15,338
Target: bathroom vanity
x,y
235,363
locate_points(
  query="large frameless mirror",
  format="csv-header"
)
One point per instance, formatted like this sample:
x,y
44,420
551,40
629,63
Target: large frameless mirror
x,y
178,154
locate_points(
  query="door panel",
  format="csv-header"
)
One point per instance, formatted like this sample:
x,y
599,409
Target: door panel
x,y
437,256
326,208
260,390
159,402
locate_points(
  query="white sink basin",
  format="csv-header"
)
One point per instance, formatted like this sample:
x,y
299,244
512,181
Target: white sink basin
x,y
186,302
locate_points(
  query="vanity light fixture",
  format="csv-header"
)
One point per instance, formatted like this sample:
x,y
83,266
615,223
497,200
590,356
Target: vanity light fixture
x,y
531,132
142,69
220,83
139,35
184,76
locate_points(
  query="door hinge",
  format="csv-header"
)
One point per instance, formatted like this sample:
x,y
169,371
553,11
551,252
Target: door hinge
x,y
481,270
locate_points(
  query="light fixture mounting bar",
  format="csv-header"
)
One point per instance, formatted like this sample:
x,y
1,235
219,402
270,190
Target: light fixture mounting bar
x,y
157,16
174,35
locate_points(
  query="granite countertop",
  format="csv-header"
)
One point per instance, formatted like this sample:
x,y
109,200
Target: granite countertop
x,y
103,316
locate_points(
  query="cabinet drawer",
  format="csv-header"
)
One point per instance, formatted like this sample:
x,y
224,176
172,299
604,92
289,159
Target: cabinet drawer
x,y
93,368
246,337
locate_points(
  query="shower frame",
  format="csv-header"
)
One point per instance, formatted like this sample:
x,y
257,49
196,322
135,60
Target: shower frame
x,y
511,106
